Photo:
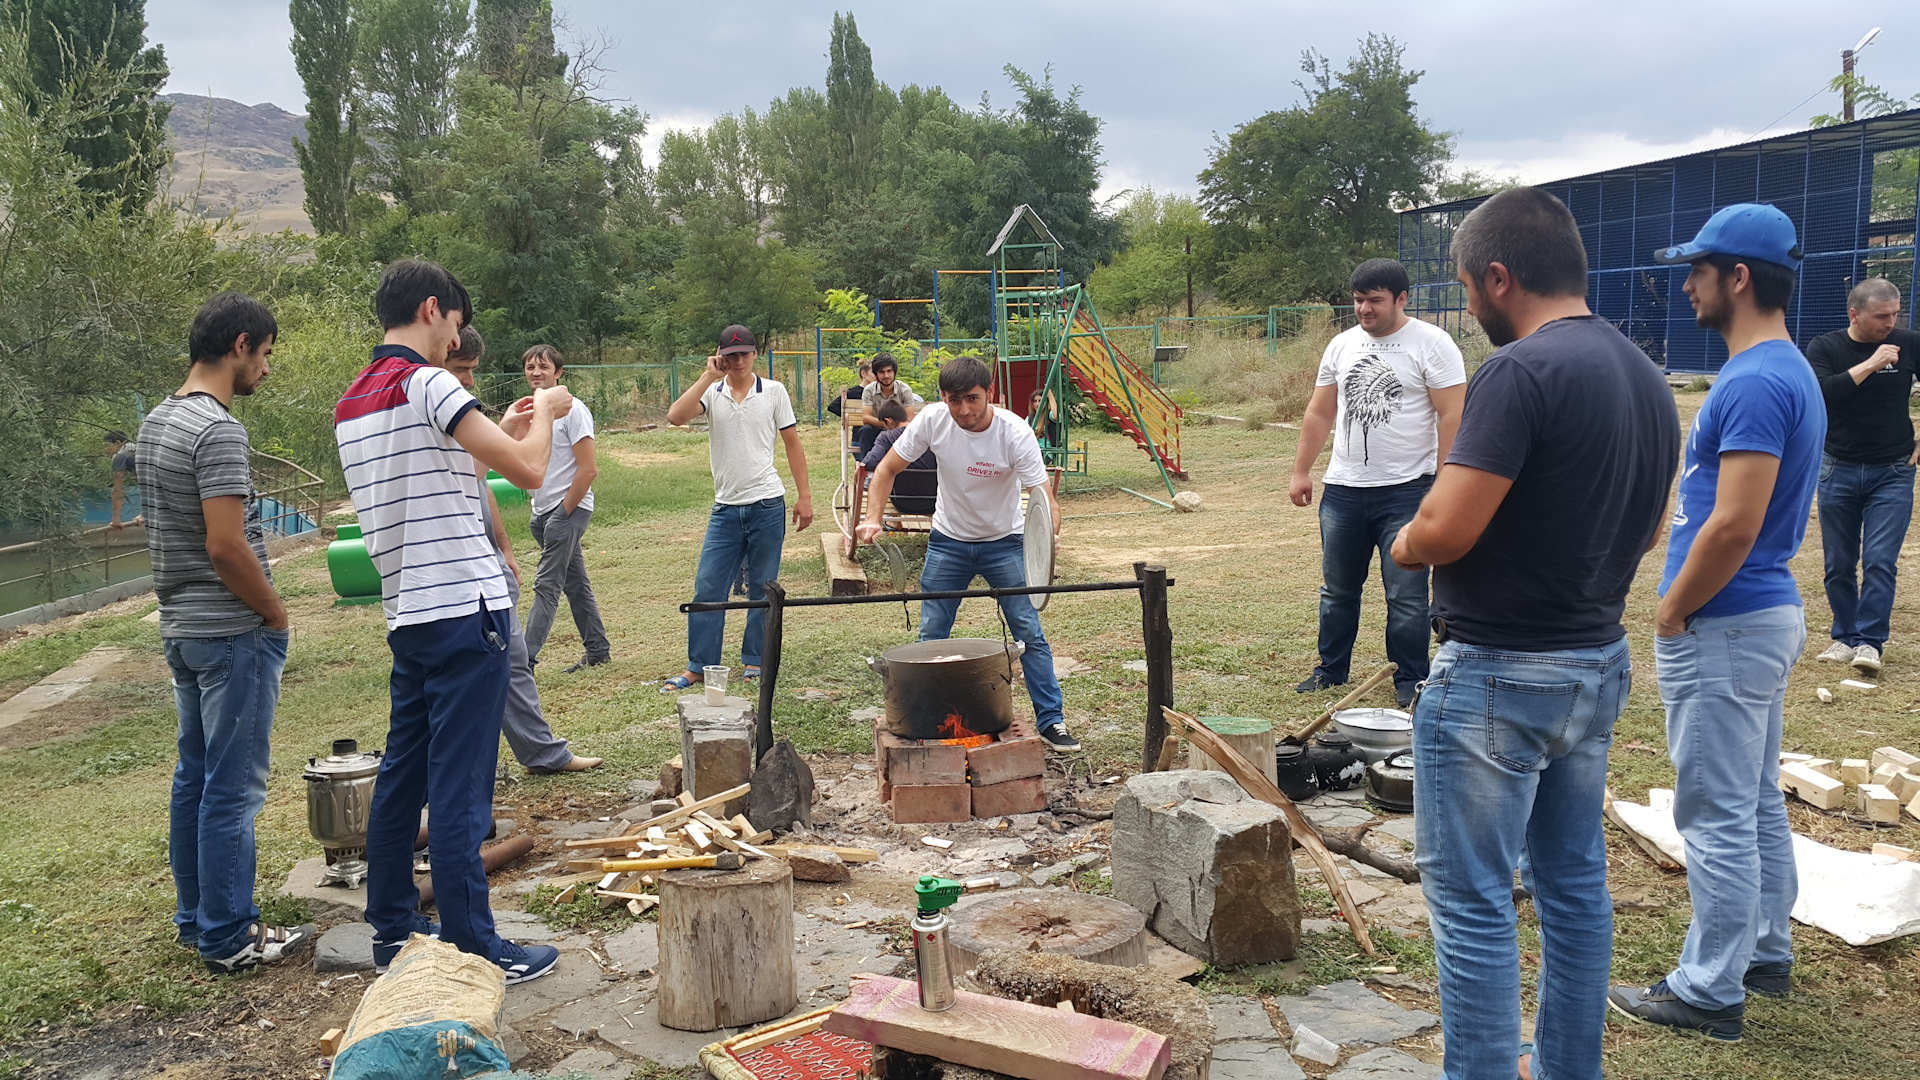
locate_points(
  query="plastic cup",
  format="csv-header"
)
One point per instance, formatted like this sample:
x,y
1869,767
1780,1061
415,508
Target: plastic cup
x,y
716,676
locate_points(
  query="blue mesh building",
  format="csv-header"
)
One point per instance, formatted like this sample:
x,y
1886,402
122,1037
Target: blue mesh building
x,y
1853,192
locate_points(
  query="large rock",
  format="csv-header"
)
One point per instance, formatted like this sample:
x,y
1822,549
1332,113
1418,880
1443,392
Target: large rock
x,y
782,790
1210,867
817,864
347,947
325,903
716,747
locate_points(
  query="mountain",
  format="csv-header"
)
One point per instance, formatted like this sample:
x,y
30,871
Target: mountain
x,y
228,156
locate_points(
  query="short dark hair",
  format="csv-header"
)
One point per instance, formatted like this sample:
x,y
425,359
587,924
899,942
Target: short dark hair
x,y
472,346
1374,274
407,283
1772,282
963,373
1529,232
221,321
1874,290
884,360
116,437
552,354
890,409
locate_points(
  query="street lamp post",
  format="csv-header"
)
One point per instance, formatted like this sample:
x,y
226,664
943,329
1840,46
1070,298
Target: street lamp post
x,y
1846,73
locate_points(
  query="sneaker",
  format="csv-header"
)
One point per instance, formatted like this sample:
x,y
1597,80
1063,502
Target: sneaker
x,y
1406,695
1837,653
1657,1004
525,963
1866,660
385,951
266,945
1058,739
1770,980
1316,681
585,662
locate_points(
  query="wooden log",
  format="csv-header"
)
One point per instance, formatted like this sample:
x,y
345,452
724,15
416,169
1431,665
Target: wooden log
x,y
1257,785
1352,843
1813,787
844,574
686,811
491,858
1156,633
1253,738
726,946
1032,1042
1098,929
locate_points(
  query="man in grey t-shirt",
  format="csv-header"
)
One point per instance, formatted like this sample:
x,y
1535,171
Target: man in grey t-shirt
x,y
225,632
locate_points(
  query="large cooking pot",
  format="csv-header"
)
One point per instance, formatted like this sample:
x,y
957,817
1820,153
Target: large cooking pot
x,y
1379,733
949,689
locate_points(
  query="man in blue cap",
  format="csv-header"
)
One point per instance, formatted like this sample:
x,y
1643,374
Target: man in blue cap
x,y
1730,625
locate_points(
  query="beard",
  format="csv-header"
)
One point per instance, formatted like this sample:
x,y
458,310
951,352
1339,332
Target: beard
x,y
1712,311
1498,327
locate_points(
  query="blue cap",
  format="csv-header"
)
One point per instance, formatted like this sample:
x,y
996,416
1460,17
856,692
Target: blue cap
x,y
1746,230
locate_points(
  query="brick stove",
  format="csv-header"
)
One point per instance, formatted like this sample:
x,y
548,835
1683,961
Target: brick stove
x,y
973,776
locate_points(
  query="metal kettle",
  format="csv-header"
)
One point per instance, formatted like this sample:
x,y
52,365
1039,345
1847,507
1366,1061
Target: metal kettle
x,y
1337,764
339,804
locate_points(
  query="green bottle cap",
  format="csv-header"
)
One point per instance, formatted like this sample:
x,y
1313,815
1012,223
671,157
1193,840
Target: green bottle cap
x,y
935,893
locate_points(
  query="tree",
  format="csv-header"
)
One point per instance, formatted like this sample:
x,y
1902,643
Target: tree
x,y
729,275
854,112
1152,273
404,67
1302,194
1471,184
513,42
324,35
91,49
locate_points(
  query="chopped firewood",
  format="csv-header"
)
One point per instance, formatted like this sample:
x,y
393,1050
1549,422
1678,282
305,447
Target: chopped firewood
x,y
622,895
686,810
686,798
935,842
657,835
330,1042
714,825
606,882
760,837
1895,851
565,896
1813,787
641,905
741,825
1066,1005
702,840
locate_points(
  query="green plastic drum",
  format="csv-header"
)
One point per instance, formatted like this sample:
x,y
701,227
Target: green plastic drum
x,y
351,568
504,492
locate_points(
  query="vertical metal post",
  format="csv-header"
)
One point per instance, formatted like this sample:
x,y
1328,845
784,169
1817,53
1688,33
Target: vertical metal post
x,y
770,671
819,392
1273,332
936,309
1156,632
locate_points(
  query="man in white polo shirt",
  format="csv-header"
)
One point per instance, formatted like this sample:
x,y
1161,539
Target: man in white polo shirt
x,y
745,414
986,457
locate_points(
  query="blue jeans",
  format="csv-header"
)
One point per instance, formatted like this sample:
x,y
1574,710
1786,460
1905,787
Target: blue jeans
x,y
225,689
1510,751
449,688
750,534
952,565
1723,682
1864,512
1355,522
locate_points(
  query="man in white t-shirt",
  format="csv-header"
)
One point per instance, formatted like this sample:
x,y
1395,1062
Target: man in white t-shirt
x,y
746,415
562,509
986,457
1389,392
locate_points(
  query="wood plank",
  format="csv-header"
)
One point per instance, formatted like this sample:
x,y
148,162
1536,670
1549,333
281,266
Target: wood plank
x,y
1895,851
1256,784
1856,771
715,825
1905,783
844,574
804,1024
1824,766
1032,1042
1815,788
672,817
847,854
330,1042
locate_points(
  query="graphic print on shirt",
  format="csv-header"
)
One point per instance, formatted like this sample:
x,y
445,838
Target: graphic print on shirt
x,y
1373,399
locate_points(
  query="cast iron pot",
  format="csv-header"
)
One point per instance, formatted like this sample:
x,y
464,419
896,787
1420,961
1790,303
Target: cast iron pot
x,y
923,693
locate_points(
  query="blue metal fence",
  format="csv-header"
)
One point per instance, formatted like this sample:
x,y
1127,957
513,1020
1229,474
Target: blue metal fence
x,y
1853,192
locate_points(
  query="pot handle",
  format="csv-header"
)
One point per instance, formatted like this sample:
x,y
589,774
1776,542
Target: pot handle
x,y
878,665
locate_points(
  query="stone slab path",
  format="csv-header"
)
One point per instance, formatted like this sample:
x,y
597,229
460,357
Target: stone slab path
x,y
62,684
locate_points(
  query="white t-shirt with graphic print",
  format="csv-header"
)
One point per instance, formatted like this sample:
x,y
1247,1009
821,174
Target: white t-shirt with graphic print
x,y
1385,432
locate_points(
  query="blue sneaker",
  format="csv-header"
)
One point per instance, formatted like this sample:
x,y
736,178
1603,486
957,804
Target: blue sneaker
x,y
1658,1004
525,963
385,951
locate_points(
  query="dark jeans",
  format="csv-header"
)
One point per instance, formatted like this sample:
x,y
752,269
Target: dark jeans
x,y
1355,522
563,569
1864,512
225,689
952,565
750,534
449,689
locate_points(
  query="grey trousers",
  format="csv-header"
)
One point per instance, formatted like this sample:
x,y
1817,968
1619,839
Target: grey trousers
x,y
529,736
563,570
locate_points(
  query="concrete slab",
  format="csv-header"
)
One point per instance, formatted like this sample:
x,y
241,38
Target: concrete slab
x,y
582,1018
634,950
595,1063
1240,1018
330,903
640,1034
1337,815
1385,1063
347,947
826,954
1253,1061
1400,827
62,684
1348,1014
574,977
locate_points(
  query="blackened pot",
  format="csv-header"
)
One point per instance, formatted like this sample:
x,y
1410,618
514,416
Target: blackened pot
x,y
929,698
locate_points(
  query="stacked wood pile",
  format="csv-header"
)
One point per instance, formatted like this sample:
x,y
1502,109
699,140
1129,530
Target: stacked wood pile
x,y
1882,784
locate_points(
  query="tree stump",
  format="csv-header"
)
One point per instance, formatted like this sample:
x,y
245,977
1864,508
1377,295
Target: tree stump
x,y
726,946
1098,929
1251,736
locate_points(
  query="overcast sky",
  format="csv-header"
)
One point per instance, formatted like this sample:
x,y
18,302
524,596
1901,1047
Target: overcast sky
x,y
1542,90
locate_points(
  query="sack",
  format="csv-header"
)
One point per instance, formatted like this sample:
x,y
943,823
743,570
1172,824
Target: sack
x,y
436,1012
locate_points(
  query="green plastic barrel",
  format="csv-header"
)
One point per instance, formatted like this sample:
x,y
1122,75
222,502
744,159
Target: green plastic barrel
x,y
351,568
504,492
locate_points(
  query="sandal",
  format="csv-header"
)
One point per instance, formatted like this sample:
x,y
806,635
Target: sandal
x,y
679,682
750,673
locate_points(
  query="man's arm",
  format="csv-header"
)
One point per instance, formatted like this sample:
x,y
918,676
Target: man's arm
x,y
522,461
1725,538
1451,517
1447,403
879,490
586,468
802,488
119,486
234,560
1315,428
687,406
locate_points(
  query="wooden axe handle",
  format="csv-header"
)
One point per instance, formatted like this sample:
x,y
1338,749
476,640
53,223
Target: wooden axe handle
x,y
1359,692
728,861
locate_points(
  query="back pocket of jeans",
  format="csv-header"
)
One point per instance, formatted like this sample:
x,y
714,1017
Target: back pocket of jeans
x,y
1528,722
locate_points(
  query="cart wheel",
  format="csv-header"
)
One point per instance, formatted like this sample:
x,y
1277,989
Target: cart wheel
x,y
843,510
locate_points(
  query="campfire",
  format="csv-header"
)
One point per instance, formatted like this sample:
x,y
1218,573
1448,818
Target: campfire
x,y
954,732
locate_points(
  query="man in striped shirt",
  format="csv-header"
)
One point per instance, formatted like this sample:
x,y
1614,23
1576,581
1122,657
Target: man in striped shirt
x,y
409,436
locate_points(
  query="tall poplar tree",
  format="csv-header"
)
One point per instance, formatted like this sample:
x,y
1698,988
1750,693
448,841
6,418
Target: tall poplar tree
x,y
324,35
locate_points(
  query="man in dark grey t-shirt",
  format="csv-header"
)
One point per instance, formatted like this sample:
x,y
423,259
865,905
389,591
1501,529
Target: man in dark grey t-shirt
x,y
225,632
1535,526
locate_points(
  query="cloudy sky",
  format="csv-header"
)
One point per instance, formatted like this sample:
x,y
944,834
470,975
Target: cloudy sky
x,y
1541,90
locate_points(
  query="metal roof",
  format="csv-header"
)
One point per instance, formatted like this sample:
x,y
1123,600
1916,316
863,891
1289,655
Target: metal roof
x,y
1033,219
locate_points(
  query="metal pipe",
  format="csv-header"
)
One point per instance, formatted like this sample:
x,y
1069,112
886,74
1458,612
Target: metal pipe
x,y
695,607
1149,498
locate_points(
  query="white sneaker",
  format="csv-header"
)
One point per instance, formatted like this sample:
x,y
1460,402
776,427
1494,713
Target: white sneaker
x,y
1866,660
1837,653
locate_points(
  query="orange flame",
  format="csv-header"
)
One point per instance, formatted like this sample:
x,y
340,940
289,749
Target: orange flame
x,y
955,732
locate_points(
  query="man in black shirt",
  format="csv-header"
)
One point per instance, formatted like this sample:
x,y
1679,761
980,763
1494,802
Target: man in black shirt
x,y
1552,491
1866,373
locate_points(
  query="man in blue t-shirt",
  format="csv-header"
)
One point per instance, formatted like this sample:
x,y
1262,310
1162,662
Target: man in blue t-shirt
x,y
1731,626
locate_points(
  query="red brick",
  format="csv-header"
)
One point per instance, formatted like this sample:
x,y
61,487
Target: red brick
x,y
1016,754
912,761
914,803
1023,796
